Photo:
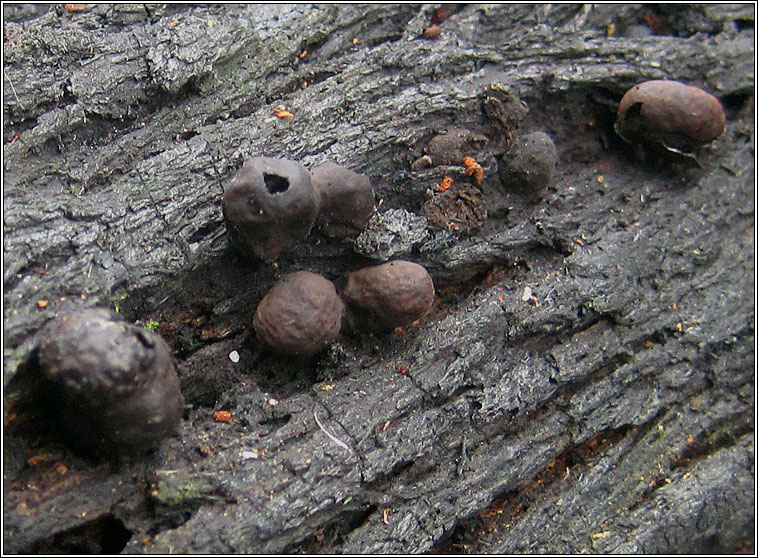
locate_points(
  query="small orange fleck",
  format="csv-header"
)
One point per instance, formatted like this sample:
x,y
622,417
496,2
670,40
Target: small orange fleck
x,y
61,469
402,370
432,32
590,123
601,179
282,112
500,298
222,416
320,537
35,460
453,227
42,303
580,242
74,8
15,138
303,54
469,163
478,175
473,169
445,184
174,23
83,296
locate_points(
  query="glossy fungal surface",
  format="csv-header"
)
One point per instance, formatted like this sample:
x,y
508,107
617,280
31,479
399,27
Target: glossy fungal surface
x,y
300,315
389,295
678,115
119,391
346,200
269,206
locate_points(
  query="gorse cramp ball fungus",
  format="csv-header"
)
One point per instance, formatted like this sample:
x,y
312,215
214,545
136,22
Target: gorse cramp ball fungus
x,y
677,115
529,164
119,392
269,206
389,295
300,315
346,200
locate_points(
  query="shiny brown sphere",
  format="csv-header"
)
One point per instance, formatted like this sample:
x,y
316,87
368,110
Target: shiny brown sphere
x,y
346,200
300,315
678,115
118,384
389,295
269,206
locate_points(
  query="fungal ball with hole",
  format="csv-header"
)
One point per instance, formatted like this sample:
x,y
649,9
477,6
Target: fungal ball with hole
x,y
346,200
269,206
529,164
677,115
300,315
118,387
390,295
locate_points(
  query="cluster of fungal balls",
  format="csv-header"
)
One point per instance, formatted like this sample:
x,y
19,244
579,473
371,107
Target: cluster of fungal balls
x,y
272,204
118,382
303,312
118,389
269,206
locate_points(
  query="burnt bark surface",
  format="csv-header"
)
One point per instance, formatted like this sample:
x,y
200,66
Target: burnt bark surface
x,y
610,412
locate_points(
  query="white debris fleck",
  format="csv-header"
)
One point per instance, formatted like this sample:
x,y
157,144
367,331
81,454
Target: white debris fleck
x,y
234,356
250,454
273,402
527,294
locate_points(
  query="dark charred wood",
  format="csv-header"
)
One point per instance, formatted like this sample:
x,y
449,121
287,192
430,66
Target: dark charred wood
x,y
608,408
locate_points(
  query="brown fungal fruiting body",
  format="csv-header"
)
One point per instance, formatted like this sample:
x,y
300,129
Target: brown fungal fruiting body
x,y
451,147
432,32
119,391
678,115
389,295
346,200
529,164
300,315
269,206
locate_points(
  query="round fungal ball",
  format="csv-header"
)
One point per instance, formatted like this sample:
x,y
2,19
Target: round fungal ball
x,y
529,165
346,200
678,115
119,391
269,206
389,295
301,314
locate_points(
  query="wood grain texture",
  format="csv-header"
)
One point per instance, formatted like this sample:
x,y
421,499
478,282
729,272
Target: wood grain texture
x,y
626,393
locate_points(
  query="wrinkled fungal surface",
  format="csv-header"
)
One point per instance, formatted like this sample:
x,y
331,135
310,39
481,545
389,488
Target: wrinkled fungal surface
x,y
346,200
269,206
119,391
300,315
679,115
389,295
529,165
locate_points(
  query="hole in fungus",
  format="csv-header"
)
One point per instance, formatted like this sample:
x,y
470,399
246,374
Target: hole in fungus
x,y
275,184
